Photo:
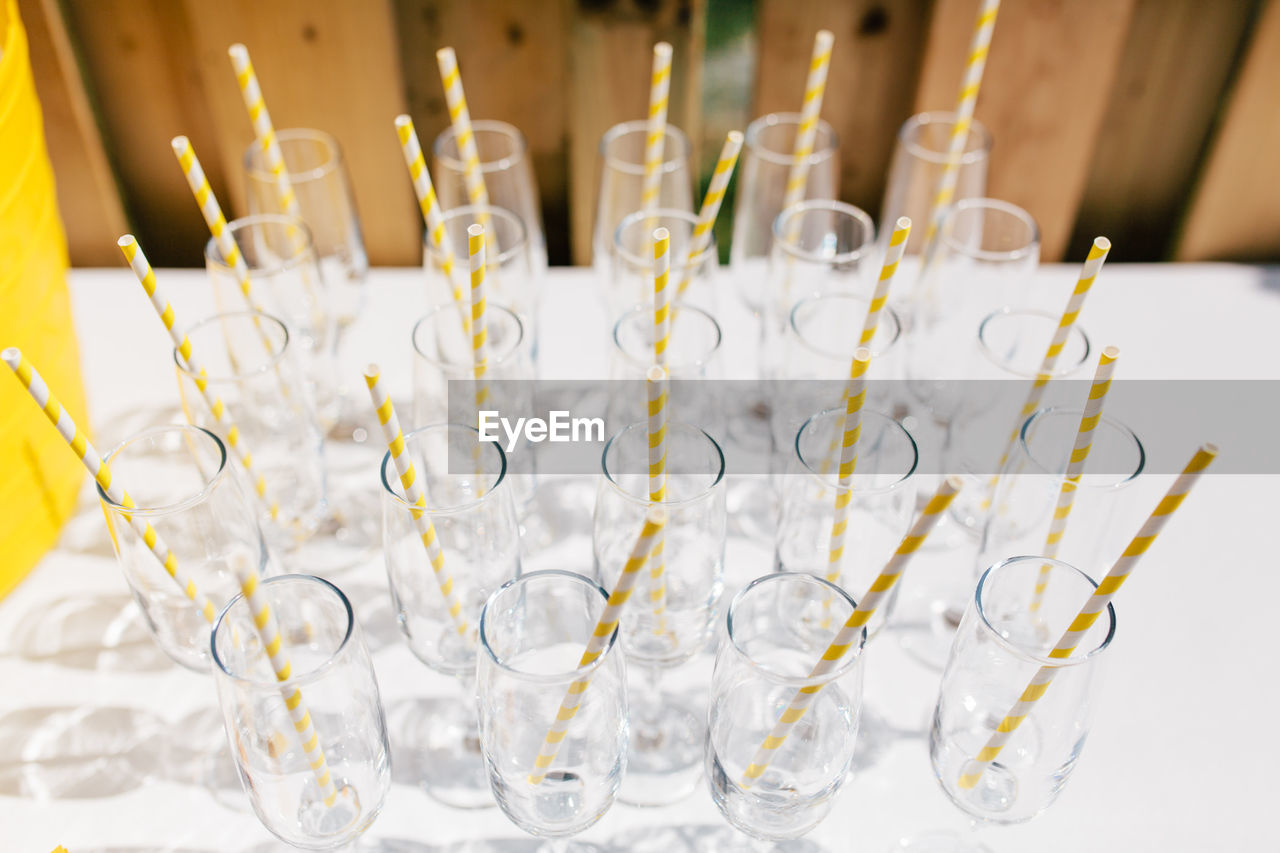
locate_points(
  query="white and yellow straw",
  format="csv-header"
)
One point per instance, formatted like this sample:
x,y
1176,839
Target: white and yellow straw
x,y
460,117
851,434
263,129
853,626
700,238
807,131
656,431
415,497
1075,466
479,328
1093,608
605,626
656,130
164,309
892,257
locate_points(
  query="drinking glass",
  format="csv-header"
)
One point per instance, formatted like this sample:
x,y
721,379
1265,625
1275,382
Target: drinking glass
x,y
471,510
330,667
663,759
621,180
249,364
285,281
765,657
533,632
632,280
1000,645
882,501
180,480
508,178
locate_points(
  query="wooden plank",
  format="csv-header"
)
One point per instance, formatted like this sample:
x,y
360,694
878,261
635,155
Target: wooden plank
x,y
138,54
511,54
88,197
1235,211
1046,89
1167,93
871,85
327,64
610,55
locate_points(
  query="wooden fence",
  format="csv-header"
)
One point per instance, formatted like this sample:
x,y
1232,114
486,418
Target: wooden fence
x,y
1155,122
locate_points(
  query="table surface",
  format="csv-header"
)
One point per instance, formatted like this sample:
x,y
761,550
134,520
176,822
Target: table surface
x,y
93,719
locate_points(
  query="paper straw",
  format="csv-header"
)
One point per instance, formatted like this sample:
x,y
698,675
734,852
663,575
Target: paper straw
x,y
479,328
432,216
853,626
856,396
164,309
659,88
661,294
605,626
262,128
460,117
967,100
414,496
1075,466
700,239
79,444
892,257
661,342
798,177
1093,608
656,386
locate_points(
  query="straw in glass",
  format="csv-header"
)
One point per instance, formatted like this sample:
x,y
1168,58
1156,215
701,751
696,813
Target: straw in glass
x,y
700,238
659,88
892,257
814,87
251,92
852,432
656,430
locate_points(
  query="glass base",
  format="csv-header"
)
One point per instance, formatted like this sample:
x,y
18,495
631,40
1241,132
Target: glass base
x,y
664,757
753,509
939,842
437,747
929,642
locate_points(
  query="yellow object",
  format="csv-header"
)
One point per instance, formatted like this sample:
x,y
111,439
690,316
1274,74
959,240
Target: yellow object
x,y
39,483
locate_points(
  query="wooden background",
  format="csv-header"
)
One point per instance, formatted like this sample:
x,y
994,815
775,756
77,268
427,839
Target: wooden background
x,y
1155,122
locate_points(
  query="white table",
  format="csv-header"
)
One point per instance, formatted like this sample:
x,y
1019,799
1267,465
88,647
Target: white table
x,y
1181,756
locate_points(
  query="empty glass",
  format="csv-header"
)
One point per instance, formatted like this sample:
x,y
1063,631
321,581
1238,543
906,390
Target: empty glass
x,y
250,365
765,657
474,519
533,632
632,280
671,618
180,480
508,178
330,668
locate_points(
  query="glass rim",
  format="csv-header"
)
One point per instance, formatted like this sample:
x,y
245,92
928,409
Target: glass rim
x,y
966,158
853,487
178,506
669,503
295,678
1019,213
478,126
646,263
305,254
1077,414
850,659
803,208
1059,370
555,677
434,510
786,158
491,360
1015,648
270,364
885,311
293,134
469,210
646,311
671,159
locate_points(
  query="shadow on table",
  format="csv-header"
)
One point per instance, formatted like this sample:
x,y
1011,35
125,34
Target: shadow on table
x,y
99,631
700,838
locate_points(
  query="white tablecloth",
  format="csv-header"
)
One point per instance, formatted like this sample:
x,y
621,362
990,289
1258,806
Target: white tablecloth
x,y
95,725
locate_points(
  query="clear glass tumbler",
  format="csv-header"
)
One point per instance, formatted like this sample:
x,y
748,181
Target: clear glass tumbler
x,y
471,510
250,366
672,615
533,632
331,670
766,656
632,280
181,483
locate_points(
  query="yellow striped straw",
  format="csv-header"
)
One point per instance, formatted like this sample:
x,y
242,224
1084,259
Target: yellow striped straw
x,y
798,177
655,138
479,329
853,626
892,257
661,294
656,386
661,342
1075,466
79,444
262,128
605,626
967,100
852,433
415,497
164,309
700,239
432,216
1093,608
460,117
